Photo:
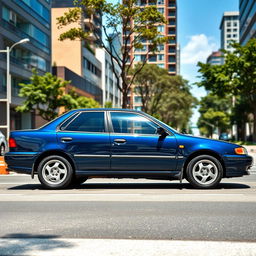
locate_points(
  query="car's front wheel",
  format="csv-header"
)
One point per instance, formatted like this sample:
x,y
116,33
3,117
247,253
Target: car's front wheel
x,y
55,172
204,172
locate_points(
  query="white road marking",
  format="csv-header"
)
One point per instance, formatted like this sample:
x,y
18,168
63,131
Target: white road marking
x,y
121,247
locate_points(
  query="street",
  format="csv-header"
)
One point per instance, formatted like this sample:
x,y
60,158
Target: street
x,y
161,215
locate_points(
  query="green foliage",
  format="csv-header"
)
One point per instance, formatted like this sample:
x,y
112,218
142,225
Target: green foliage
x,y
236,77
165,97
108,104
117,17
84,102
215,114
47,95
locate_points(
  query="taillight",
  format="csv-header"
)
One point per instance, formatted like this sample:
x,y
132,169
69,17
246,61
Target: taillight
x,y
12,143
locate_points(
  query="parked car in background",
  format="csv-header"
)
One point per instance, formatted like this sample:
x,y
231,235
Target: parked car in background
x,y
224,136
3,144
117,143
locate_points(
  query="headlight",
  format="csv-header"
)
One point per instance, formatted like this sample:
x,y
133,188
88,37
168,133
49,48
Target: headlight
x,y
241,151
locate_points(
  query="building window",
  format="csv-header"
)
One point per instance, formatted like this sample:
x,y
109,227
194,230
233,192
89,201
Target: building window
x,y
152,58
228,36
235,24
137,99
160,47
38,8
136,57
160,2
91,67
161,10
171,68
160,28
228,24
171,59
229,30
160,57
160,65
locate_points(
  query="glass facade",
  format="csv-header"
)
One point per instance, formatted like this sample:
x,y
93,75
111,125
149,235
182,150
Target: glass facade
x,y
21,19
247,20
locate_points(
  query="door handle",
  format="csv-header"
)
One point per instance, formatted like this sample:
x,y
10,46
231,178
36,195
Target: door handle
x,y
119,141
66,139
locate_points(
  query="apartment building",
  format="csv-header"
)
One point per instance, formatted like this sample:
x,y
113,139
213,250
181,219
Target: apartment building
x,y
21,19
168,53
76,60
216,58
229,29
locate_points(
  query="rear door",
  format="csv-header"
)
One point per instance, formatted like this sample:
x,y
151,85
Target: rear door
x,y
86,138
136,146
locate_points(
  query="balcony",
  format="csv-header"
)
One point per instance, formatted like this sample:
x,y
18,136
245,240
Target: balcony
x,y
10,27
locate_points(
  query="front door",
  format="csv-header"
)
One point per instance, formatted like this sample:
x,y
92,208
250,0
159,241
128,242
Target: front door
x,y
87,140
136,146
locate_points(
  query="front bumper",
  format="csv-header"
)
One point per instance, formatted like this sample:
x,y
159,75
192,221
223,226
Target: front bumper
x,y
20,162
237,165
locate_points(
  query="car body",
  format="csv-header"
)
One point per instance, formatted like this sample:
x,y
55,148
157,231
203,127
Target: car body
x,y
3,144
118,143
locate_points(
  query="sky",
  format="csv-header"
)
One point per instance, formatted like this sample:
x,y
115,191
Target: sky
x,y
199,35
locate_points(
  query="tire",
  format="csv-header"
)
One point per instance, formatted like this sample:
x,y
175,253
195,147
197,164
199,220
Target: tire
x,y
55,172
78,180
2,150
204,172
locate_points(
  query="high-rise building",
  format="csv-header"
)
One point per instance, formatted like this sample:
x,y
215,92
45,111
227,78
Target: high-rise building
x,y
77,56
111,92
229,29
247,10
21,19
216,58
167,55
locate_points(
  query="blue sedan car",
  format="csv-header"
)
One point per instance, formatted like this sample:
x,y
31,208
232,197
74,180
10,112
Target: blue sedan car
x,y
117,143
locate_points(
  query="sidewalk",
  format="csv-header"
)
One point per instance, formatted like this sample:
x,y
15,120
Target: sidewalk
x,y
120,247
252,152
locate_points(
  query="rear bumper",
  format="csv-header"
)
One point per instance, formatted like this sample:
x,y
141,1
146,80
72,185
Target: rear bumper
x,y
237,165
20,162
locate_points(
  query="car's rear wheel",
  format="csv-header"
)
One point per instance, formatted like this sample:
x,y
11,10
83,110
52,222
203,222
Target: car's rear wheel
x,y
2,150
204,172
55,172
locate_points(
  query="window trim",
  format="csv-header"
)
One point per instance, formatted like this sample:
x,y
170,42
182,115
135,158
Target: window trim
x,y
73,117
111,128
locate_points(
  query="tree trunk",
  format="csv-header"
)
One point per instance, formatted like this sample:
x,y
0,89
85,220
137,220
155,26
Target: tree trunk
x,y
254,126
124,99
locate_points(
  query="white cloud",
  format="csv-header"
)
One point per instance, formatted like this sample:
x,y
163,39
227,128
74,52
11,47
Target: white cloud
x,y
198,48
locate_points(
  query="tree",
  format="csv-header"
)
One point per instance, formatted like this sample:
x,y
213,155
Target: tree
x,y
138,26
165,97
149,84
47,95
236,77
214,114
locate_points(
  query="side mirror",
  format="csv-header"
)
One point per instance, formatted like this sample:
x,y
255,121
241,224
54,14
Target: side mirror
x,y
161,131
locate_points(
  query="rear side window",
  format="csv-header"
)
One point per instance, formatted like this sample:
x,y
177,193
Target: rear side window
x,y
87,122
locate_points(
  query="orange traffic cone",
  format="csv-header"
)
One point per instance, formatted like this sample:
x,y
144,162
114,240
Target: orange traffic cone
x,y
3,166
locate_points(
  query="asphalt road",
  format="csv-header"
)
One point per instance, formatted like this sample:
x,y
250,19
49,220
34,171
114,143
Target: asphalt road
x,y
134,210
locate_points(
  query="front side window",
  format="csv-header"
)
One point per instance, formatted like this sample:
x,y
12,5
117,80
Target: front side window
x,y
86,122
132,123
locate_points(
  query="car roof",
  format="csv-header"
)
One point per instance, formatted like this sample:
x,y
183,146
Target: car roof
x,y
106,109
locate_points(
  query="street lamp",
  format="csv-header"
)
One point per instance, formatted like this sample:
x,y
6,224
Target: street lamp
x,y
8,83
